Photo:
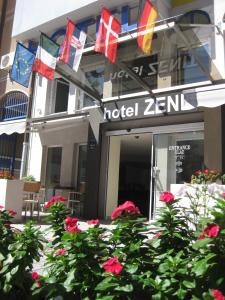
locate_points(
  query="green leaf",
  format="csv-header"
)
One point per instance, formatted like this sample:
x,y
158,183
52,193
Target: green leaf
x,y
104,286
201,243
163,267
70,278
14,270
131,269
189,284
126,288
181,293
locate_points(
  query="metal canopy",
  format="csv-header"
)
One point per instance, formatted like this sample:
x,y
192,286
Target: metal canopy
x,y
75,78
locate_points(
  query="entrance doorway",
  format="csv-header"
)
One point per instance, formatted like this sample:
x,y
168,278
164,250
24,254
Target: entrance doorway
x,y
144,164
129,171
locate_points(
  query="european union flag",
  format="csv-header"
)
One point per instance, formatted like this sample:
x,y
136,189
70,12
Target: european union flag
x,y
22,65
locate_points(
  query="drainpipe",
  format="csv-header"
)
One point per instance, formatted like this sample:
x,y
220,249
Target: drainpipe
x,y
4,6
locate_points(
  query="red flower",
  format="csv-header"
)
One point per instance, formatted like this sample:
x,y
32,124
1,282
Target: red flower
x,y
199,172
206,171
71,225
210,231
12,212
166,197
128,206
60,251
93,222
71,221
53,200
57,198
35,276
113,266
218,295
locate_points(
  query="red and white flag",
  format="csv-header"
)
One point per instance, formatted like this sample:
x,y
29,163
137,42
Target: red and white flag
x,y
107,38
73,45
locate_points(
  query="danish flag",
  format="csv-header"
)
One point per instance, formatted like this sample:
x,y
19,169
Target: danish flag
x,y
107,38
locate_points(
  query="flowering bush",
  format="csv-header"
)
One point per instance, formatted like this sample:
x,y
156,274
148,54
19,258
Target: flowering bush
x,y
4,174
205,176
170,259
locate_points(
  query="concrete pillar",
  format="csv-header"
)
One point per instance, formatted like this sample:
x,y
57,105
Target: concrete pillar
x,y
113,175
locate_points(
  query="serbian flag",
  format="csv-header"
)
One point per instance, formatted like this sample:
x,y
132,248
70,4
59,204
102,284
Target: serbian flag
x,y
107,38
146,27
73,45
46,57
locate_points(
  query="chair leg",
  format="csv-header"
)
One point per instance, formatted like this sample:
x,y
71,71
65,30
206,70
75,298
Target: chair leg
x,y
38,210
25,211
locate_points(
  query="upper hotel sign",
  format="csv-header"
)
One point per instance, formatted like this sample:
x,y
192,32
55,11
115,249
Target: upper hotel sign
x,y
148,107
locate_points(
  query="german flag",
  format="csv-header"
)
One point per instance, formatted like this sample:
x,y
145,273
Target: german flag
x,y
146,27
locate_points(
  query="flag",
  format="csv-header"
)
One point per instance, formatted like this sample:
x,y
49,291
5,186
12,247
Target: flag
x,y
46,57
73,45
107,38
22,65
147,22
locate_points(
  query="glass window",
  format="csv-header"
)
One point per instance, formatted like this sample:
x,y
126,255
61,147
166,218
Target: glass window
x,y
61,97
177,157
192,70
82,162
53,166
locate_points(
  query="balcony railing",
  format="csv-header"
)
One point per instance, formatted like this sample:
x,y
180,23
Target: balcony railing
x,y
13,106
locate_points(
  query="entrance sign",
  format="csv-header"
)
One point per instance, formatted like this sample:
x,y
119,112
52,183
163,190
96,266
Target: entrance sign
x,y
142,108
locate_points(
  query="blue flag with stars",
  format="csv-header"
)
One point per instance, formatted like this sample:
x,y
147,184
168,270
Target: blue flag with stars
x,y
22,65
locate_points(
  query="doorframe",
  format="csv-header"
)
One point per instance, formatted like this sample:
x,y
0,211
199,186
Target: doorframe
x,y
198,126
160,129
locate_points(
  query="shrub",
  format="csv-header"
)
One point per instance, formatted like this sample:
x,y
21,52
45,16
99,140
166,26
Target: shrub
x,y
18,251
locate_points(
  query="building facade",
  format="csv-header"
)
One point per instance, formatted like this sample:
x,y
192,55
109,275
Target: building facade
x,y
13,98
129,130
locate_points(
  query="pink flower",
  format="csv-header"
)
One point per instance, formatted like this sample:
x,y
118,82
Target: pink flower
x,y
166,197
12,212
60,251
2,207
218,295
128,207
210,231
73,229
35,276
113,266
199,172
157,235
93,222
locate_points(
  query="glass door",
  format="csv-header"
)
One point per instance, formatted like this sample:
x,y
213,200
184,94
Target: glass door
x,y
176,157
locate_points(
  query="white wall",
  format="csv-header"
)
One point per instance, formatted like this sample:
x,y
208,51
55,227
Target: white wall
x,y
48,15
31,14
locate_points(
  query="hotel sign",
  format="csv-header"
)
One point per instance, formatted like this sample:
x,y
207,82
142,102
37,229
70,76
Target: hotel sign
x,y
148,107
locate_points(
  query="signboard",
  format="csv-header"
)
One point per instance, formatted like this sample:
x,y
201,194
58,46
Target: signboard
x,y
148,107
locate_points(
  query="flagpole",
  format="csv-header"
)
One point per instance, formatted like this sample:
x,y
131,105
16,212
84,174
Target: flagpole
x,y
25,151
